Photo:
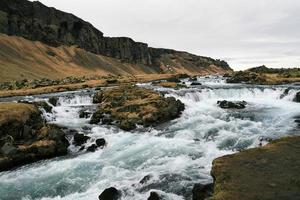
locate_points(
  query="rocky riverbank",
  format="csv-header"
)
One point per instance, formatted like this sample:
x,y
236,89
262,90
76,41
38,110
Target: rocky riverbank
x,y
26,138
128,106
265,173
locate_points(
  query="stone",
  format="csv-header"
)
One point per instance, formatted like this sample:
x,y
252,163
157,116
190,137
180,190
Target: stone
x,y
232,104
297,97
100,142
154,196
92,148
110,194
80,139
84,114
195,83
53,101
8,149
146,179
202,191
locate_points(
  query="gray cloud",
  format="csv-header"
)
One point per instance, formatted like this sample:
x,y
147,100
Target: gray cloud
x,y
266,30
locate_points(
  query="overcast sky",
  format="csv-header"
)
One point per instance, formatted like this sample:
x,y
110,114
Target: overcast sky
x,y
245,33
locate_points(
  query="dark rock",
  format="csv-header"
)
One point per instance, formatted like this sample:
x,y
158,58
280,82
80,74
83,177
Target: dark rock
x,y
92,148
98,97
84,114
196,83
80,139
8,149
146,179
173,79
297,97
44,105
53,101
96,117
230,104
110,194
201,192
247,77
111,81
154,196
100,142
127,125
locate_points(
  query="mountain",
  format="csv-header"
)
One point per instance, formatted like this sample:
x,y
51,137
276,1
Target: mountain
x,y
37,22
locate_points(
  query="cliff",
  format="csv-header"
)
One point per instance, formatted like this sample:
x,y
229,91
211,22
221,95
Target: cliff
x,y
34,21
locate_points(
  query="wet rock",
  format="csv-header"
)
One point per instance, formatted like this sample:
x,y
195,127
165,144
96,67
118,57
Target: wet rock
x,y
92,148
297,97
84,114
146,179
80,139
8,149
127,125
96,117
53,101
201,191
98,97
44,105
232,104
154,196
195,83
110,194
100,142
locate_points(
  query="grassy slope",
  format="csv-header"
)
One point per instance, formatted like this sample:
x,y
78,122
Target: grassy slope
x,y
21,58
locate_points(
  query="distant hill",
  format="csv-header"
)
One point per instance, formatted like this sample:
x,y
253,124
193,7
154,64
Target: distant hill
x,y
37,22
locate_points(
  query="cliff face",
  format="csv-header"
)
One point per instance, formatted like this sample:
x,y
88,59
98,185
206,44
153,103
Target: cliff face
x,y
35,21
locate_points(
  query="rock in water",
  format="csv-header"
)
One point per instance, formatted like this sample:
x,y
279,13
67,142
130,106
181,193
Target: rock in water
x,y
154,196
232,104
100,142
92,148
201,192
129,106
297,97
80,139
110,194
53,101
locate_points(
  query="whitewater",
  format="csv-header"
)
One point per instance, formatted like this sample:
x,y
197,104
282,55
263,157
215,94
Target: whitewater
x,y
175,155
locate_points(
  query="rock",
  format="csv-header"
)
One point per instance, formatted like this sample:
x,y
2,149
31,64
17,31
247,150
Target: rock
x,y
146,179
232,104
44,105
195,83
201,192
268,172
173,79
154,196
84,114
111,81
8,149
100,142
53,101
98,97
247,77
110,194
92,148
129,106
80,139
297,97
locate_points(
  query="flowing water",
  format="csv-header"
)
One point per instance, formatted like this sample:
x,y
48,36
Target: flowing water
x,y
175,155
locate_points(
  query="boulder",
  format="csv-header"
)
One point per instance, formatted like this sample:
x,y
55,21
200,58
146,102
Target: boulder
x,y
80,139
8,149
100,142
195,83
154,196
53,101
232,104
84,114
92,148
202,191
44,105
110,194
297,97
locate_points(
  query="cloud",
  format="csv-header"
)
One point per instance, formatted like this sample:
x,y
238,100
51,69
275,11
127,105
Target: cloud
x,y
215,28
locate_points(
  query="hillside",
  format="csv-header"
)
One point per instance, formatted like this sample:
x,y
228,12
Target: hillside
x,y
77,45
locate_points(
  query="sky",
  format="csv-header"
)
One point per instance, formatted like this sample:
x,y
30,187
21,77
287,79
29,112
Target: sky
x,y
242,32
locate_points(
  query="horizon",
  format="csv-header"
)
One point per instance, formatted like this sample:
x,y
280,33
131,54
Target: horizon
x,y
247,40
